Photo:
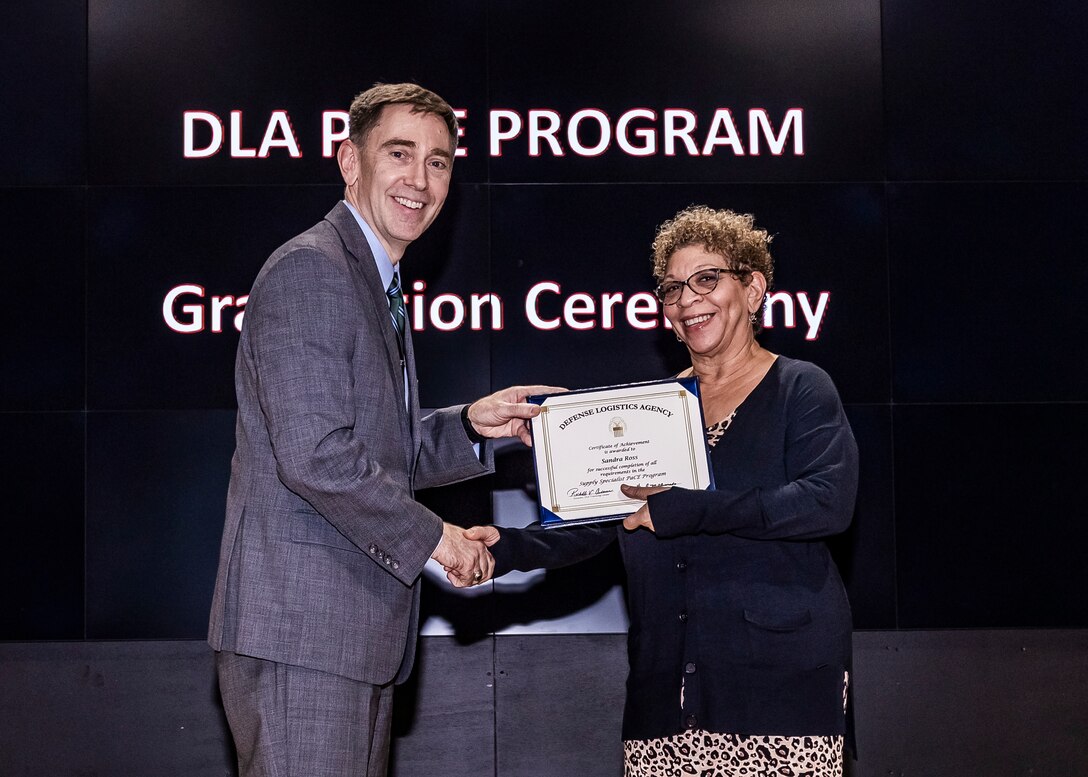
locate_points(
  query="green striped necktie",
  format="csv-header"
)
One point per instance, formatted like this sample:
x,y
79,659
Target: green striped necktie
x,y
396,306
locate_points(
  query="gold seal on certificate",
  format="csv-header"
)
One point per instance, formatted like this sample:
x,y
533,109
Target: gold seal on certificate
x,y
586,443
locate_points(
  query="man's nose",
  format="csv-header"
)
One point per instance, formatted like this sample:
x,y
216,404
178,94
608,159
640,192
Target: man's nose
x,y
416,174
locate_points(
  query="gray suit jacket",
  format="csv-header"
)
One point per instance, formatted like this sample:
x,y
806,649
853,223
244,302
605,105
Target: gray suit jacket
x,y
324,542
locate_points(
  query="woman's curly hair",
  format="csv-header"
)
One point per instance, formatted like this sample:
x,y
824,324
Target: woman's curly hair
x,y
733,235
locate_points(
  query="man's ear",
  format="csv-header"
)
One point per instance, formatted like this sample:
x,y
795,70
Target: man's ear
x,y
347,156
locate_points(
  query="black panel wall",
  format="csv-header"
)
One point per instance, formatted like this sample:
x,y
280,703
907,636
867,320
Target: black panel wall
x,y
932,703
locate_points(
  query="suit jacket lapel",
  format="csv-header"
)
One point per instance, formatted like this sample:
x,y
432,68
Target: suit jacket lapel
x,y
373,291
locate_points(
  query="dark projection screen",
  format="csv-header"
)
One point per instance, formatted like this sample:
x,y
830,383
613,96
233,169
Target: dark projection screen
x,y
928,239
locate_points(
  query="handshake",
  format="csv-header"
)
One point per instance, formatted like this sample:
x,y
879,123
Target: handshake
x,y
464,554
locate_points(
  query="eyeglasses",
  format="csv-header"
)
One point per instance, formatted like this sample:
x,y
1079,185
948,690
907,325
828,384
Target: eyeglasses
x,y
702,282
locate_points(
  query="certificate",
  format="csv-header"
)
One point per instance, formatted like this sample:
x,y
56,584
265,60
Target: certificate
x,y
586,443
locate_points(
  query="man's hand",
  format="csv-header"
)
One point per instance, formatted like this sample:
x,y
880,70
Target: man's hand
x,y
640,517
467,562
488,535
506,413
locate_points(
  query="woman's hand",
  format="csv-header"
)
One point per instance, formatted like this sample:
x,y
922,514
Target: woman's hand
x,y
640,517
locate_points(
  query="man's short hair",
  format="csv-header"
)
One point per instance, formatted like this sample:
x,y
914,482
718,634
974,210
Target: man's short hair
x,y
367,107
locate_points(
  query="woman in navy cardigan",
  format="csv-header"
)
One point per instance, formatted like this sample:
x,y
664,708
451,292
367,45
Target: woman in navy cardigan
x,y
739,644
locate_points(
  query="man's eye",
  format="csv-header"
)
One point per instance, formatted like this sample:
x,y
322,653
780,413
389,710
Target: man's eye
x,y
438,164
397,154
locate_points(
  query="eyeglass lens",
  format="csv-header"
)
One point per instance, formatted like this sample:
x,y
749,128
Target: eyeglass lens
x,y
702,282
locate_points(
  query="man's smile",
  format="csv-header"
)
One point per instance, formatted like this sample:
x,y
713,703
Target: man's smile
x,y
413,204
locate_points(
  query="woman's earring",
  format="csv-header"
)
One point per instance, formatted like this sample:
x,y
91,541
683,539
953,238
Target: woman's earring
x,y
678,339
752,319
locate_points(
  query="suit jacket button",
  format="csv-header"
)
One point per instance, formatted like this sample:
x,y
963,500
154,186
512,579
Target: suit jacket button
x,y
689,667
681,565
683,617
691,721
387,560
373,549
396,565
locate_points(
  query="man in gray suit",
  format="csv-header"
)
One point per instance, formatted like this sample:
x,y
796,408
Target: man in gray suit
x,y
314,615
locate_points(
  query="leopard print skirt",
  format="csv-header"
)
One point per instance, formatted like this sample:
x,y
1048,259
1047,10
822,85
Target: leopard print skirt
x,y
705,754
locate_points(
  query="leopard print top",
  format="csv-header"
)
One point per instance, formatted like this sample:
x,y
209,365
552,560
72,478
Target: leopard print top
x,y
714,432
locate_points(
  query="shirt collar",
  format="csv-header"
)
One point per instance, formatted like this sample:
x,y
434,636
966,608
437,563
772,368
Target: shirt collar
x,y
381,259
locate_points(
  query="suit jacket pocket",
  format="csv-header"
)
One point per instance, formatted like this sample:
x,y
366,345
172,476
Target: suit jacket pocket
x,y
311,528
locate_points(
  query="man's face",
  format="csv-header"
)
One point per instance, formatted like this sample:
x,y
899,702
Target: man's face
x,y
399,179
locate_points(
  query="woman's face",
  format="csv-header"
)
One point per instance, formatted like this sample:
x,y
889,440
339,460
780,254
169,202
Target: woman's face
x,y
708,323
